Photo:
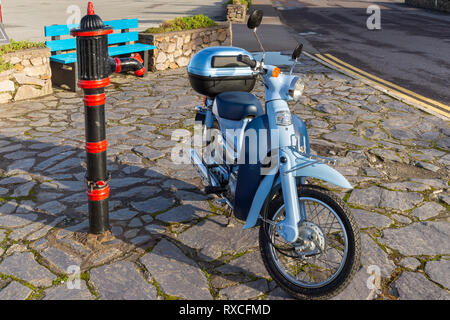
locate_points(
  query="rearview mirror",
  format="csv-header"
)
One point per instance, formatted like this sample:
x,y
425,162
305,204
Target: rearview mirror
x,y
297,51
255,19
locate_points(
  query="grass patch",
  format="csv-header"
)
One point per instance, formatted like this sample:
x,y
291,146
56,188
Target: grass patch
x,y
15,46
183,23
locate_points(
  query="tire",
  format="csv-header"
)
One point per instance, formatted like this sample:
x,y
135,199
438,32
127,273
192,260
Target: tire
x,y
349,265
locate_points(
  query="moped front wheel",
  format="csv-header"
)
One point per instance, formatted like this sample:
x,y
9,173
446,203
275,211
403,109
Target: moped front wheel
x,y
325,257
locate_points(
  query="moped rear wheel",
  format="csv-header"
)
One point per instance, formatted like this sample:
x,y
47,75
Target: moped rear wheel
x,y
323,261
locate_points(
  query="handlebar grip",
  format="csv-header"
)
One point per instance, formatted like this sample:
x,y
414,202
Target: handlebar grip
x,y
246,59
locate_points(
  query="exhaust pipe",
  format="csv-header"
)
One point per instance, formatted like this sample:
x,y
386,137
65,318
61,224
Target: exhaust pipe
x,y
208,179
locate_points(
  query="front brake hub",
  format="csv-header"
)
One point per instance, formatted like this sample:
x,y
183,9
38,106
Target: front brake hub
x,y
311,240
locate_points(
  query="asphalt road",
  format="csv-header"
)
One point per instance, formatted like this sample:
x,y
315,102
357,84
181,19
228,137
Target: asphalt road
x,y
412,49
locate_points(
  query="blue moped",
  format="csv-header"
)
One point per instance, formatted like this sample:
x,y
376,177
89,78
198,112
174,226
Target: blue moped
x,y
257,160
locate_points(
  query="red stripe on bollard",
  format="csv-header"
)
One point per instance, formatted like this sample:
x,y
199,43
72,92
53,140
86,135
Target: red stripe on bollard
x,y
98,194
94,100
91,33
96,147
94,84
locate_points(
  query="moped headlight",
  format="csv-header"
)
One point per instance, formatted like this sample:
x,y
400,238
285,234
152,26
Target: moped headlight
x,y
296,89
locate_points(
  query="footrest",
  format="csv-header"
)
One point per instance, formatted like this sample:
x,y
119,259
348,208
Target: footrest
x,y
215,190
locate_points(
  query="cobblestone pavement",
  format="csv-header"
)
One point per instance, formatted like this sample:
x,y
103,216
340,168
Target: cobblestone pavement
x,y
171,239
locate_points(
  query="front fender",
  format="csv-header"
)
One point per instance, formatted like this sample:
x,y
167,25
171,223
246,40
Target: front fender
x,y
319,171
324,172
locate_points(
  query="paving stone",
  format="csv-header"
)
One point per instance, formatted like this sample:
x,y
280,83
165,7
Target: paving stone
x,y
60,260
24,189
245,291
125,182
278,294
372,254
52,207
213,238
45,229
372,172
435,183
402,134
8,207
136,222
348,138
20,165
24,267
357,289
155,229
175,273
408,284
17,220
250,263
148,153
74,245
153,205
20,178
123,214
439,271
139,192
369,197
406,186
427,166
105,256
368,219
386,154
410,263
121,281
184,213
15,291
420,238
62,292
401,219
428,210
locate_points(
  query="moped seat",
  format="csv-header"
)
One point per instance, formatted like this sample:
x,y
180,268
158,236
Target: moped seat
x,y
236,105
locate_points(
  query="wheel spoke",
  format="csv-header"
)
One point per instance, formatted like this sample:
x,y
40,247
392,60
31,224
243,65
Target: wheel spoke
x,y
318,269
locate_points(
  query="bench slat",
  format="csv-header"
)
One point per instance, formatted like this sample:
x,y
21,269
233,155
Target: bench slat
x,y
129,48
67,58
60,45
63,29
115,38
122,24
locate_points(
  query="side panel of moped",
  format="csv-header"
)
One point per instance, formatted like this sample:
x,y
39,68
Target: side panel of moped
x,y
249,175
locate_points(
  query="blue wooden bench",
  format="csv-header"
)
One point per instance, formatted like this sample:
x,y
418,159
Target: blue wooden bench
x,y
63,60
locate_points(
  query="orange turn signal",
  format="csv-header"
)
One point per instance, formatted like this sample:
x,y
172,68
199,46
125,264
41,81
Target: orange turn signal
x,y
276,72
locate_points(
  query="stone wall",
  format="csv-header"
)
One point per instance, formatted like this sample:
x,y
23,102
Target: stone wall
x,y
175,49
441,5
236,12
30,78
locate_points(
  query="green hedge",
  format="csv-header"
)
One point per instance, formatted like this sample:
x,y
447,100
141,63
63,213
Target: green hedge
x,y
247,2
183,23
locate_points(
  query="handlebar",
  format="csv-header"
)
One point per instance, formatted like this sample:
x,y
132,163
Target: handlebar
x,y
246,59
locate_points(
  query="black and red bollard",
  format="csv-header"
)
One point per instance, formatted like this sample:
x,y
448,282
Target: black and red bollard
x,y
94,69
